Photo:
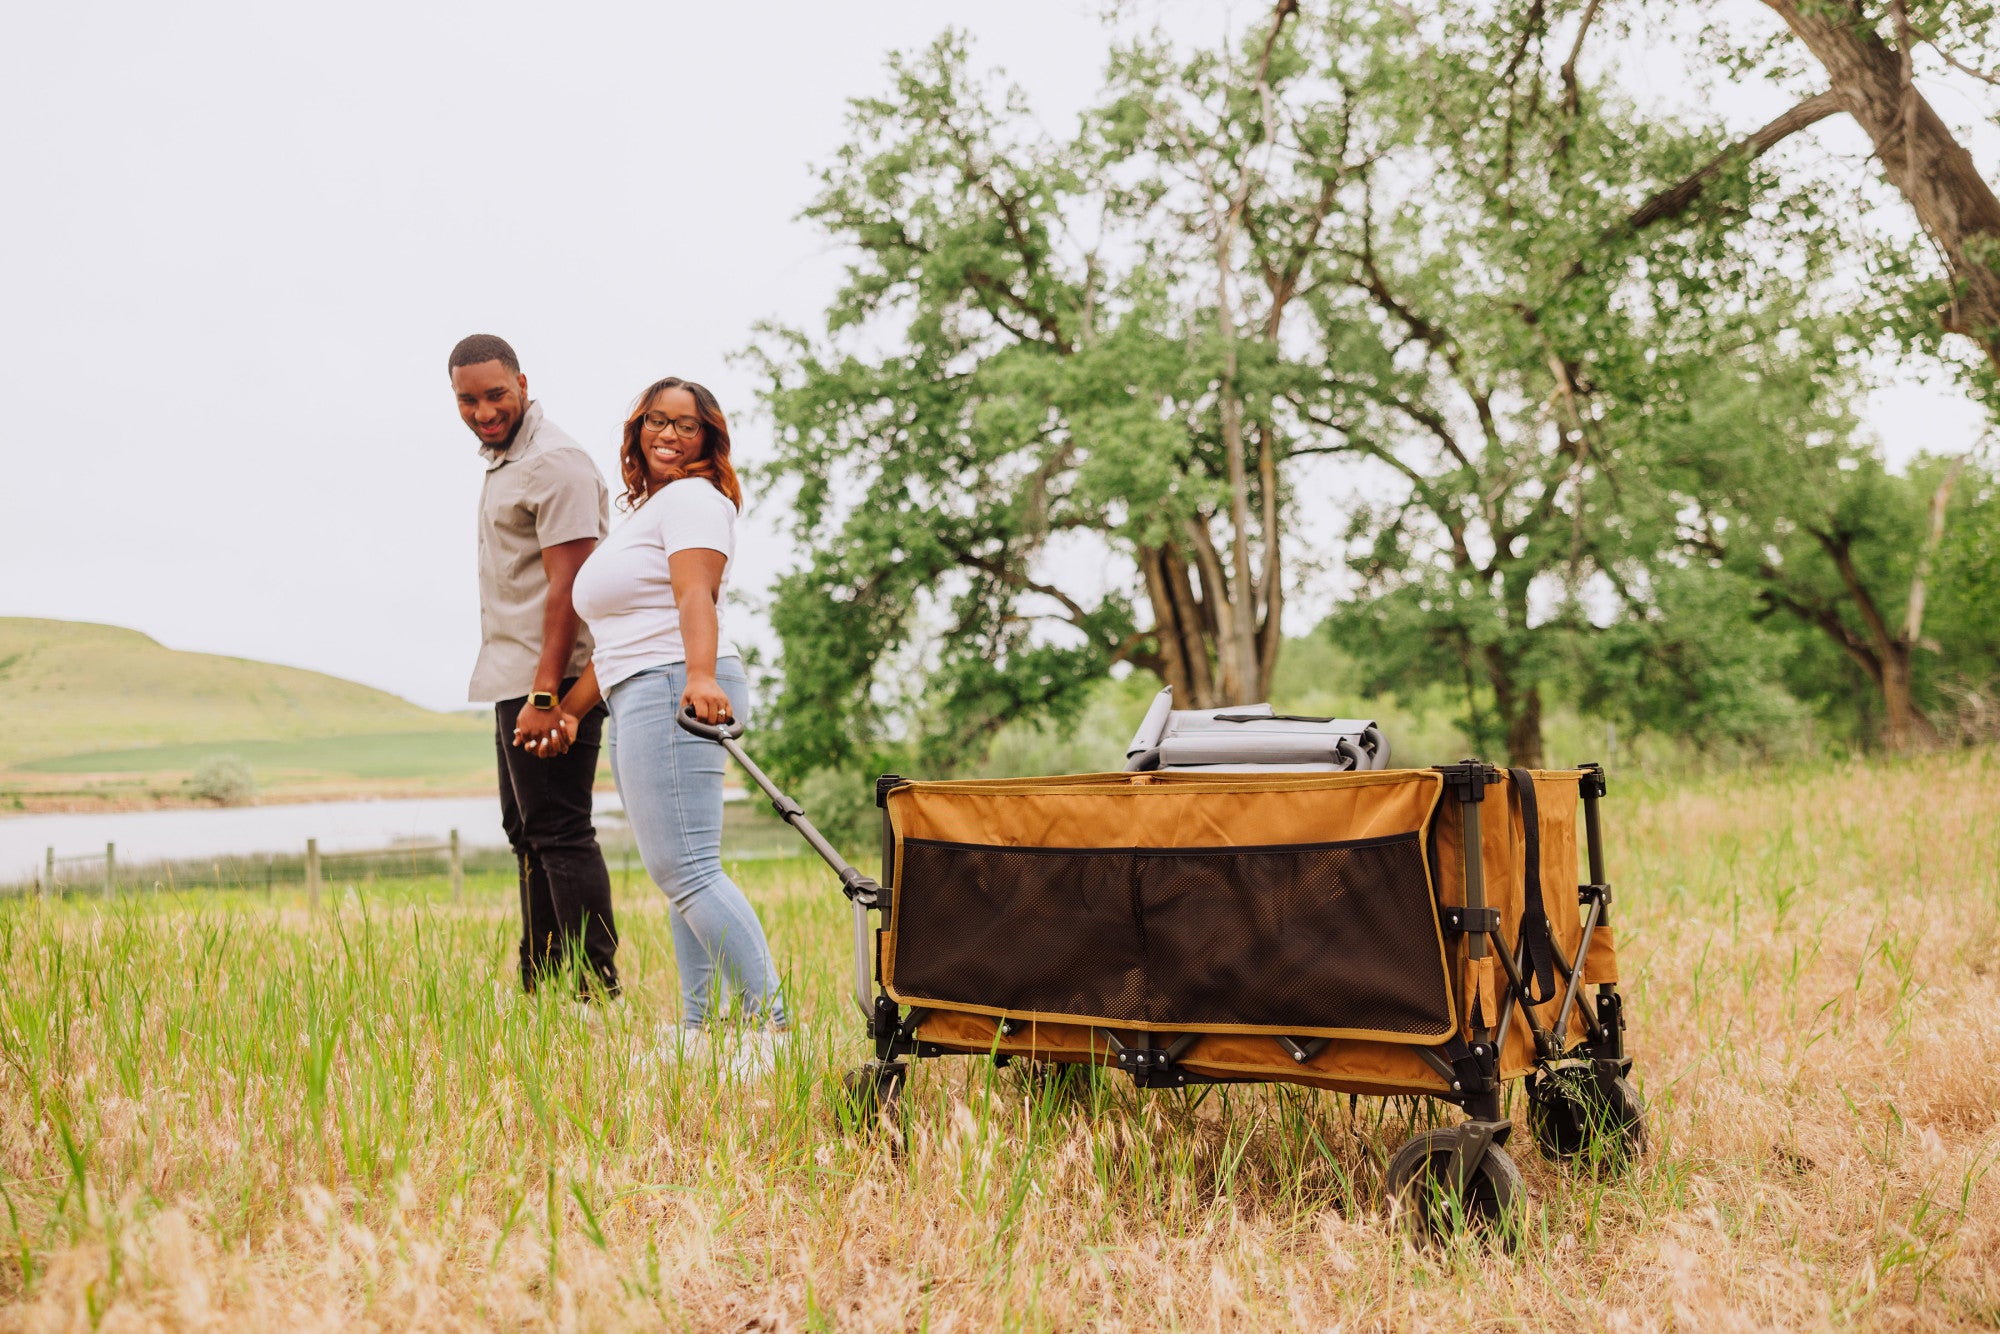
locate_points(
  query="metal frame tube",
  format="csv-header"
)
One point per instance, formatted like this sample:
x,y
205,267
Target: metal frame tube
x,y
864,969
1575,974
863,974
1593,842
795,817
1517,986
1475,871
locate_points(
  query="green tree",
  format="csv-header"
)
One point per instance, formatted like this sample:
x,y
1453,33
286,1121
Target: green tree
x,y
1056,417
1830,538
1039,432
1538,284
1869,54
1775,490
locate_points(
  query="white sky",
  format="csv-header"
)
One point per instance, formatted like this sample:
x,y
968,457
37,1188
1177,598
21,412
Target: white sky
x,y
238,240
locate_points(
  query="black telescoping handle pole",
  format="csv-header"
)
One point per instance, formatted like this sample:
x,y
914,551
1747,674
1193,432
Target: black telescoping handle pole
x,y
1592,789
854,884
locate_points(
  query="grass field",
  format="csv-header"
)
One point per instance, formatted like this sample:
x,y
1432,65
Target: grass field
x,y
114,719
88,688
224,1112
417,754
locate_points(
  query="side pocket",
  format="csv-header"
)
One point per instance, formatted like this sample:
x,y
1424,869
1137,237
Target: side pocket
x,y
1333,939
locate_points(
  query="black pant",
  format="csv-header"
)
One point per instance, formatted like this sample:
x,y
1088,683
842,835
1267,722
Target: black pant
x,y
565,888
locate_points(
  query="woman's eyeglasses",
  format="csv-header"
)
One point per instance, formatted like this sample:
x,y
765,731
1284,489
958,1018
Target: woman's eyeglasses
x,y
687,428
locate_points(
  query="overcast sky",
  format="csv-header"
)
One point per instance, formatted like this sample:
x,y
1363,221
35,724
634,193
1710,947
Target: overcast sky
x,y
239,240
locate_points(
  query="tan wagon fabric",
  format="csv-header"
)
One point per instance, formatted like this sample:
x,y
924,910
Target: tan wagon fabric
x,y
1148,933
1202,811
1600,964
1166,810
1345,1066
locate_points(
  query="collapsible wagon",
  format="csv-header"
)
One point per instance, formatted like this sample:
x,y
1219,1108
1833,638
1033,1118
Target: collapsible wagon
x,y
1260,904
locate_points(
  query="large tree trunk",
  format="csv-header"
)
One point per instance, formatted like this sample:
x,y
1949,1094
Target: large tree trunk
x,y
1884,654
1919,153
1519,706
1181,629
1903,727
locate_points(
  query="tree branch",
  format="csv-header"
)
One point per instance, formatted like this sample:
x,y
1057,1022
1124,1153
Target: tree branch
x,y
1215,599
1572,91
1828,620
1530,29
1015,579
1958,64
1913,616
980,281
1676,199
1840,550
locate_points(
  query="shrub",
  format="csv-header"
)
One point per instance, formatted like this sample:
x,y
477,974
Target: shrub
x,y
224,780
841,805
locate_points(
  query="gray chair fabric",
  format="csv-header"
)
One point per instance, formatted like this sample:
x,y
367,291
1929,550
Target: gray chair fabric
x,y
1250,738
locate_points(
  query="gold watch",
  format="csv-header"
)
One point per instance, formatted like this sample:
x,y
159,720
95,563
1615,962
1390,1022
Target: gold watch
x,y
541,699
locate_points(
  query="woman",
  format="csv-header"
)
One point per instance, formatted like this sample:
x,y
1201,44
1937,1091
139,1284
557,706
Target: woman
x,y
653,596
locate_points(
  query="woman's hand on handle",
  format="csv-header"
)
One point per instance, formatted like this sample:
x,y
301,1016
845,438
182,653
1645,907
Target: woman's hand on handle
x,y
706,699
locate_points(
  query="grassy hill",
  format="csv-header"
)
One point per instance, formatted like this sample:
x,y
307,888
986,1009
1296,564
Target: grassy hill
x,y
99,699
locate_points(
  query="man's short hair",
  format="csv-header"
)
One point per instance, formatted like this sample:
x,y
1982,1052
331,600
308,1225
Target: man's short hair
x,y
478,349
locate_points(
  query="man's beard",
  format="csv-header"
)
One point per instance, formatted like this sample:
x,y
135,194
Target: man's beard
x,y
506,443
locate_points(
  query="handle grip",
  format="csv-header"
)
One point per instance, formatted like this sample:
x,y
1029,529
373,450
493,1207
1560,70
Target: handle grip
x,y
728,731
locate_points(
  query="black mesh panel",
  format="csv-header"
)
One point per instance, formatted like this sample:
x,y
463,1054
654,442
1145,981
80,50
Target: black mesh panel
x,y
1301,937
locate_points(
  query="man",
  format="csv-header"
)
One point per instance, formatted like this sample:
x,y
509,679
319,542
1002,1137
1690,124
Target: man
x,y
542,510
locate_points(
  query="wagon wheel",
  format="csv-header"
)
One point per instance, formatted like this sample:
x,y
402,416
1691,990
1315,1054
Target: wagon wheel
x,y
869,1092
1575,1115
1439,1185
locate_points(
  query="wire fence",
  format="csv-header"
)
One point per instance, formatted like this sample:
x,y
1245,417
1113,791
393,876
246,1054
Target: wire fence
x,y
104,873
748,835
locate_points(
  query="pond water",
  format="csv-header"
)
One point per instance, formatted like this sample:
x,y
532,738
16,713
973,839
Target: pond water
x,y
340,826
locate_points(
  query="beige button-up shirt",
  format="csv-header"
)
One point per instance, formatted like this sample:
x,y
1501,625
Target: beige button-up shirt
x,y
542,491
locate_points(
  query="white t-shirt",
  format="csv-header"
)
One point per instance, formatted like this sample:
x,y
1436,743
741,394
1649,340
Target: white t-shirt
x,y
625,593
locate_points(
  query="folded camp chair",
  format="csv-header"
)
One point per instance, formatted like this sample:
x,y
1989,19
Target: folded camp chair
x,y
1250,738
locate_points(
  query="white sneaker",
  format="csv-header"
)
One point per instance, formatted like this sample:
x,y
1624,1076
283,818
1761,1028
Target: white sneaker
x,y
678,1044
592,1013
755,1053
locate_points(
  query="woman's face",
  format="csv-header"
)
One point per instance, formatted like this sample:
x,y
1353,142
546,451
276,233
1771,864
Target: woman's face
x,y
669,435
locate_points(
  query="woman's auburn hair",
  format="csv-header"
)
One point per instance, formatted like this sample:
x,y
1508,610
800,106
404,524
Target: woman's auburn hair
x,y
713,463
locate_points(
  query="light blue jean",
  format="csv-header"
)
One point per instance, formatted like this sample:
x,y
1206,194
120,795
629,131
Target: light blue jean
x,y
671,783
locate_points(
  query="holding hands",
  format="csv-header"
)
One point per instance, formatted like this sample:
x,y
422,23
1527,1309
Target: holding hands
x,y
545,733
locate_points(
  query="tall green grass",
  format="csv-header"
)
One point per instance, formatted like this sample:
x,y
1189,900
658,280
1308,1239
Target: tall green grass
x,y
223,1108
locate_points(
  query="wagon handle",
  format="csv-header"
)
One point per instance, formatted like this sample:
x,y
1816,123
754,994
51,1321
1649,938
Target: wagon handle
x,y
729,730
855,885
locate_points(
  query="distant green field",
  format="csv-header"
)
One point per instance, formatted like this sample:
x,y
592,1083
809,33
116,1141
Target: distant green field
x,y
413,755
81,689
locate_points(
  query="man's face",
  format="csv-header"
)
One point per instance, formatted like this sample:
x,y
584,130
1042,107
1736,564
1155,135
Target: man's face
x,y
491,401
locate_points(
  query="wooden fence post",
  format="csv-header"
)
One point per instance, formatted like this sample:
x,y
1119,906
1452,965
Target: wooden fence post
x,y
312,873
457,869
110,869
49,873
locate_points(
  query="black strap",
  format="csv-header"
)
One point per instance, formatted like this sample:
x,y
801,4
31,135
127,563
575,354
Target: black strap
x,y
1541,971
1474,1075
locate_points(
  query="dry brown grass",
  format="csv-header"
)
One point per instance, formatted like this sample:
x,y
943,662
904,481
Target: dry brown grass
x,y
220,1114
